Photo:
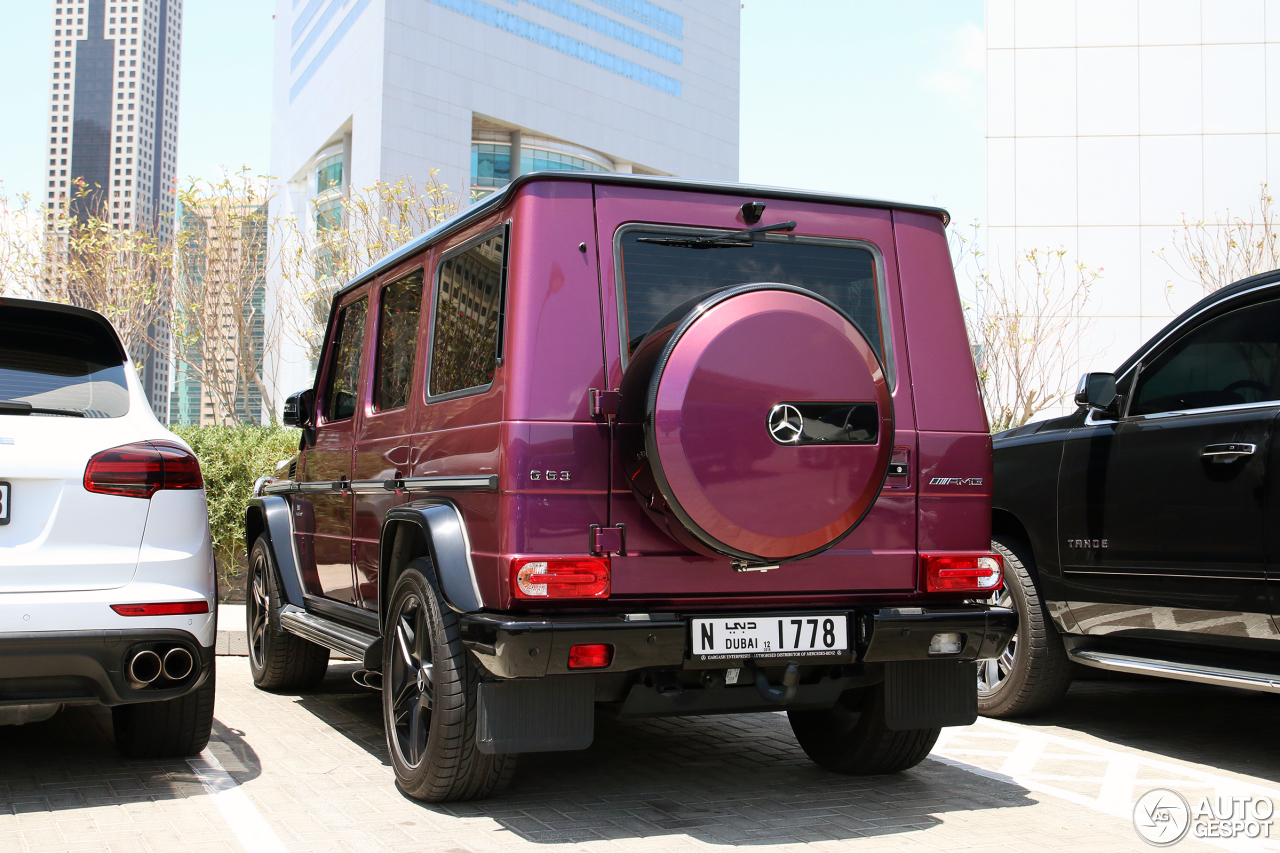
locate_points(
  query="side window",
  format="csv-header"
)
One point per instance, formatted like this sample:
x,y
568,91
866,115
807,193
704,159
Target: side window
x,y
344,378
397,341
1228,361
468,318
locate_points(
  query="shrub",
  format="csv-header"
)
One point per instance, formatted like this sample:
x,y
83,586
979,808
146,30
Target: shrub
x,y
231,459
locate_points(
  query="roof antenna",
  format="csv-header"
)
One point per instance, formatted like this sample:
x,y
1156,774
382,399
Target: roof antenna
x,y
752,211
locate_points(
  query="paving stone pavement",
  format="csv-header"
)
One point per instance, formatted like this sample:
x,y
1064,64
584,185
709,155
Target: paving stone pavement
x,y
314,767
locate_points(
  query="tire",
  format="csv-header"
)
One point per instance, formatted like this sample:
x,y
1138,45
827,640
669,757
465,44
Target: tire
x,y
173,728
1034,672
852,737
431,721
278,660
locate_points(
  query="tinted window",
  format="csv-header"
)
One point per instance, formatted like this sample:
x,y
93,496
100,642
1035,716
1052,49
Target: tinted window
x,y
464,346
658,278
1228,361
344,379
53,360
397,341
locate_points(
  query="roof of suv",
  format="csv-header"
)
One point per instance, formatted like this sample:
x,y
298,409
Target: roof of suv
x,y
60,308
1223,294
498,198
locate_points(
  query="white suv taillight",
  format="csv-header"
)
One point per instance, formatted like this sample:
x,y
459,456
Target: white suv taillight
x,y
141,469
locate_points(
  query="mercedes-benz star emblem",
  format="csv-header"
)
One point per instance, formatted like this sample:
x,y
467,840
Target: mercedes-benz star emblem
x,y
786,424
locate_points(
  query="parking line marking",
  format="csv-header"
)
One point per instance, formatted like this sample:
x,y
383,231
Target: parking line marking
x,y
250,827
1118,783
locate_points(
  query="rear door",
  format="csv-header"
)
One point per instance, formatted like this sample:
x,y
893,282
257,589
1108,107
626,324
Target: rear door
x,y
322,519
853,264
382,450
1161,512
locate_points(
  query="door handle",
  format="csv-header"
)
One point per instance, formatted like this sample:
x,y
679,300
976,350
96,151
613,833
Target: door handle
x,y
1224,453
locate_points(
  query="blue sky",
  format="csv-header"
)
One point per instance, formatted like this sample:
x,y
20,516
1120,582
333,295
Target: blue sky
x,y
855,96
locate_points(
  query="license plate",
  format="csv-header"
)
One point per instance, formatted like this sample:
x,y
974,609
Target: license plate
x,y
5,491
786,636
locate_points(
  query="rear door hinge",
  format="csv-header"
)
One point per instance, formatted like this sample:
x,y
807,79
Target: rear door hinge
x,y
608,540
603,403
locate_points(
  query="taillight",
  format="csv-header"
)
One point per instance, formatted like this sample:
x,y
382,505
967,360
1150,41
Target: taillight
x,y
590,656
168,608
141,469
961,572
579,577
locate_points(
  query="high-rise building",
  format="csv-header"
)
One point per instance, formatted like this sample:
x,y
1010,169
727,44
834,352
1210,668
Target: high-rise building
x,y
224,281
113,123
1110,124
370,90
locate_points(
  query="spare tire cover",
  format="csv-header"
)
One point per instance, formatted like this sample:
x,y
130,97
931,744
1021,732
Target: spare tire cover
x,y
757,424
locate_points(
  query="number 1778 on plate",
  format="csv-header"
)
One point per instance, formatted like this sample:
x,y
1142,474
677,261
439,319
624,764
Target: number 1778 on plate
x,y
770,636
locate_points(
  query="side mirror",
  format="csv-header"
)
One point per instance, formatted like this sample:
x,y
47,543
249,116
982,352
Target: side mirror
x,y
299,409
1097,391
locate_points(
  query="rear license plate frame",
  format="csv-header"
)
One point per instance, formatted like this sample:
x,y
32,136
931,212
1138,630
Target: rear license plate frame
x,y
6,501
767,623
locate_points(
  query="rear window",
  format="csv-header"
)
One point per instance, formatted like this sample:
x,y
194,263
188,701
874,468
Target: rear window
x,y
657,278
61,363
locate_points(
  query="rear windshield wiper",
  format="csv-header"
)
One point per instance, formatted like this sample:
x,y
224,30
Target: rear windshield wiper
x,y
18,407
731,240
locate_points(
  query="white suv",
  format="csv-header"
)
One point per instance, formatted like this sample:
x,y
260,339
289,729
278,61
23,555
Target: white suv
x,y
107,585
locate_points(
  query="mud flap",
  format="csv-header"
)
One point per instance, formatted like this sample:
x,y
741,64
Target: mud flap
x,y
928,694
550,714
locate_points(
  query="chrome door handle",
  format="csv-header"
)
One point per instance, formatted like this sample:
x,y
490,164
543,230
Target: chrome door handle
x,y
1227,452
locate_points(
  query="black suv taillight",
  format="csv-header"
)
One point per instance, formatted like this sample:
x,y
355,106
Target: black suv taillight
x,y
141,469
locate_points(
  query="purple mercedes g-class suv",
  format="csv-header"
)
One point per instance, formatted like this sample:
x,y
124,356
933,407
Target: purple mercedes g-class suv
x,y
647,447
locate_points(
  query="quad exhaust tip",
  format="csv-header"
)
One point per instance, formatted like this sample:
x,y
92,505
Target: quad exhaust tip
x,y
177,664
145,667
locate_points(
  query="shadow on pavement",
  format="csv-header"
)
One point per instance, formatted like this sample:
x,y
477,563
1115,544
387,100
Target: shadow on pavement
x,y
70,761
738,779
1220,727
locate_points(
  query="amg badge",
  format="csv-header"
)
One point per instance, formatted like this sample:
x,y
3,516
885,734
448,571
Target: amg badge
x,y
956,481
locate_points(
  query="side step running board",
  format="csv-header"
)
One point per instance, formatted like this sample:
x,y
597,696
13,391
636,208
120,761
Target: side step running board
x,y
1198,673
349,641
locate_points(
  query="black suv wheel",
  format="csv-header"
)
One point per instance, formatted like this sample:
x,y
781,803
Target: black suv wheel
x,y
277,659
1034,671
172,728
429,706
853,737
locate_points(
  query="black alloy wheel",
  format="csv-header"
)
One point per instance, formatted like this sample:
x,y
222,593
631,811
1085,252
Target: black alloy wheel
x,y
278,660
411,681
430,696
257,606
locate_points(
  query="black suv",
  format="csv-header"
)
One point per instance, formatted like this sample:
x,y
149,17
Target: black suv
x,y
1140,533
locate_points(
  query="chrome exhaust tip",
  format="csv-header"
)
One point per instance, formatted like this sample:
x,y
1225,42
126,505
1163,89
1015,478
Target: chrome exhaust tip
x,y
370,678
177,664
144,668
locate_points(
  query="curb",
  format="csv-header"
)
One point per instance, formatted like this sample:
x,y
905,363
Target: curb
x,y
232,639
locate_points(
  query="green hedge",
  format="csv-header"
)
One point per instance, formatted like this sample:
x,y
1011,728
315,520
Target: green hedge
x,y
231,459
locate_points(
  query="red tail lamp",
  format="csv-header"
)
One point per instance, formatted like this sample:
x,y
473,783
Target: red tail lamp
x,y
576,577
168,608
590,656
962,572
140,470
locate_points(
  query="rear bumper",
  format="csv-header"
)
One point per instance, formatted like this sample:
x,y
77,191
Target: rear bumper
x,y
534,646
88,667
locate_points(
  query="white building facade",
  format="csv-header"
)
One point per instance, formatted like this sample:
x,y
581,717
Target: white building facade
x,y
1110,123
369,90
